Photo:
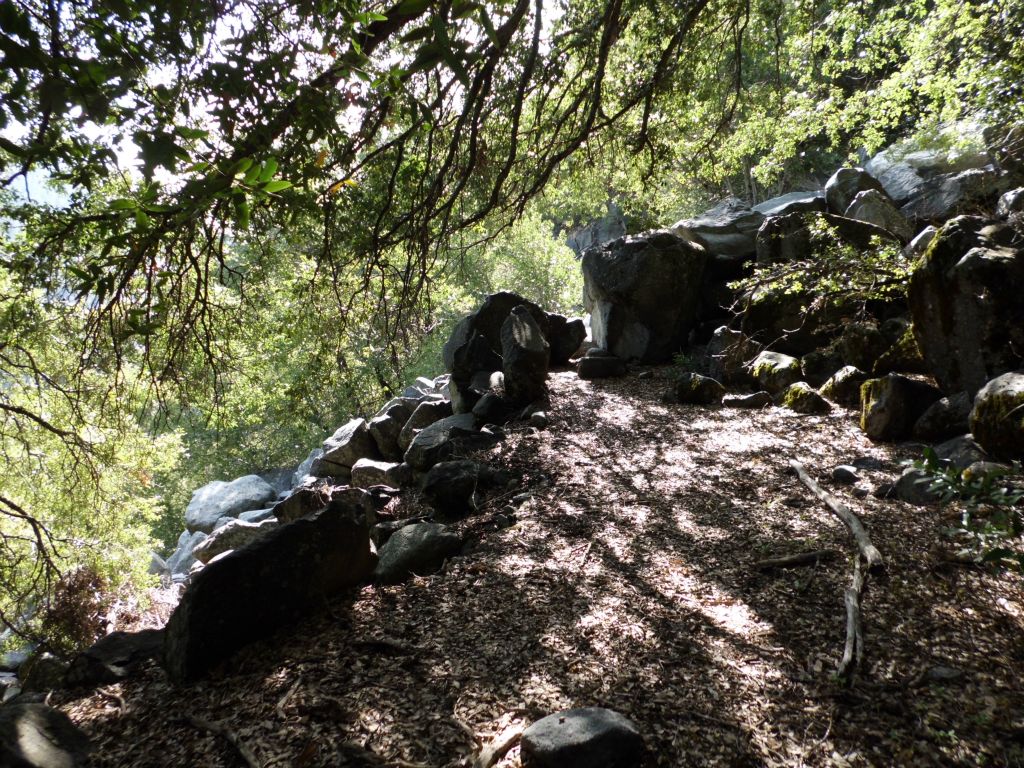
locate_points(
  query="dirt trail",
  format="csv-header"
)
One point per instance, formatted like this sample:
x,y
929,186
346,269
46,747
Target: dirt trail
x,y
628,583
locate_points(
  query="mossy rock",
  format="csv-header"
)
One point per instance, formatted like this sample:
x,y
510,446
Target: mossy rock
x,y
904,356
694,389
844,386
803,398
997,419
775,371
891,405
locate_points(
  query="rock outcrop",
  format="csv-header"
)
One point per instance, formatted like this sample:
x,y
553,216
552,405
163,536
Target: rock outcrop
x,y
642,293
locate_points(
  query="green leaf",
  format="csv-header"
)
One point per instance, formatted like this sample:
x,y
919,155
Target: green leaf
x,y
241,166
122,204
276,186
269,169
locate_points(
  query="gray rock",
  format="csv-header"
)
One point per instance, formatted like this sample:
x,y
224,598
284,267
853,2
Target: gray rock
x,y
965,301
539,420
302,475
475,344
279,479
42,672
892,404
252,592
920,243
36,736
114,657
437,442
694,389
525,356
783,239
426,413
304,501
11,661
945,418
845,474
352,441
914,487
754,400
180,562
1010,202
367,472
600,367
235,535
258,515
774,371
220,499
418,549
591,737
599,231
727,230
386,426
961,452
794,202
819,365
450,487
997,418
877,208
946,196
565,337
844,185
803,398
157,565
493,409
642,293
729,352
860,344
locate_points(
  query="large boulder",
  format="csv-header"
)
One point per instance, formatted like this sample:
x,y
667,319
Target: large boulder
x,y
600,367
943,197
642,293
844,386
181,560
222,499
425,414
591,737
475,344
774,371
369,472
386,426
251,592
876,208
450,487
783,239
235,535
945,418
437,442
1010,203
793,202
729,352
803,398
965,299
565,336
891,405
997,419
350,443
418,549
694,389
525,354
37,736
726,231
844,185
114,657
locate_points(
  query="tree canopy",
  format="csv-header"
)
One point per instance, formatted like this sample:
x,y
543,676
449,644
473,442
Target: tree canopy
x,y
261,202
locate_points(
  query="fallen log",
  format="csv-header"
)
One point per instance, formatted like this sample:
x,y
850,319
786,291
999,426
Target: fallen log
x,y
853,651
868,551
794,561
498,746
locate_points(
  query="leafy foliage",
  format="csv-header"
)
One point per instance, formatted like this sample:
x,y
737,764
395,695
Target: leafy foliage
x,y
991,505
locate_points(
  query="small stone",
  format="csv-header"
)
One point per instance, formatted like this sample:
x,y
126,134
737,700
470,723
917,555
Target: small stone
x,y
803,398
845,474
644,375
941,674
539,419
592,737
914,488
694,389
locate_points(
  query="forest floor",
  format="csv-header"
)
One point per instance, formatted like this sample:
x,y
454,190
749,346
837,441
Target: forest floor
x,y
628,582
